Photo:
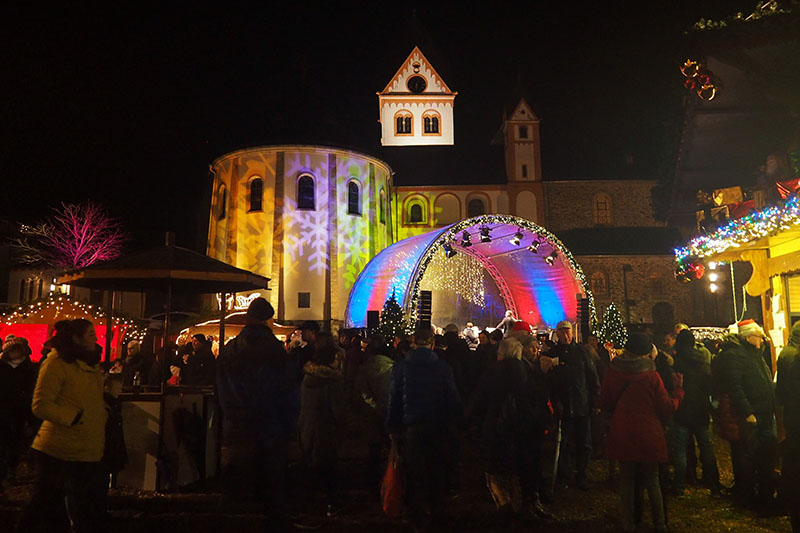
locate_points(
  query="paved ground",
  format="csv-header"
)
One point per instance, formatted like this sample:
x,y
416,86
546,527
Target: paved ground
x,y
472,510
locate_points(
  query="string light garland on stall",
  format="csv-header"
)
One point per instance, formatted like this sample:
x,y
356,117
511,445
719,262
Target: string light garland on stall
x,y
70,308
735,233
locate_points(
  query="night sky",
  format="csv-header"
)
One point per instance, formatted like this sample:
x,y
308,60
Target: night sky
x,y
127,106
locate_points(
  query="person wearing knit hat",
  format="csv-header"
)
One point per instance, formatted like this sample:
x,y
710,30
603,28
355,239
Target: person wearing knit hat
x,y
633,394
260,310
747,397
259,401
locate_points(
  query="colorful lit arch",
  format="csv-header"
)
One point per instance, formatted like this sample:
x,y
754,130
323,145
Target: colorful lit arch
x,y
540,293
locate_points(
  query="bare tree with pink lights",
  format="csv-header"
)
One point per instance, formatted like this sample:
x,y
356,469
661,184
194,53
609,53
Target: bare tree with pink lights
x,y
75,236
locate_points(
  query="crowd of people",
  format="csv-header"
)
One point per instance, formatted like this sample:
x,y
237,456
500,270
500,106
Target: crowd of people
x,y
647,410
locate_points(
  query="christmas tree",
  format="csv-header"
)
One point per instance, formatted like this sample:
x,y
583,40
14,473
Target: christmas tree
x,y
613,330
393,321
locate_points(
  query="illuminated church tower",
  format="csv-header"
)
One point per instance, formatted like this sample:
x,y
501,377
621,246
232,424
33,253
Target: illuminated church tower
x,y
416,106
524,163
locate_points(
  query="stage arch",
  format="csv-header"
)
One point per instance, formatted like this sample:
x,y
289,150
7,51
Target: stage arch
x,y
538,278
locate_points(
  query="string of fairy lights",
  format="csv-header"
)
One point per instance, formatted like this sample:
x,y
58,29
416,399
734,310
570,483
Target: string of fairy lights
x,y
735,233
461,274
66,307
541,236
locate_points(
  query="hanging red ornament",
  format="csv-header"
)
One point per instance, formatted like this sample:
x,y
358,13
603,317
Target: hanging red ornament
x,y
690,83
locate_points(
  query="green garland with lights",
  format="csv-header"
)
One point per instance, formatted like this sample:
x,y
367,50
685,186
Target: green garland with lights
x,y
450,236
735,233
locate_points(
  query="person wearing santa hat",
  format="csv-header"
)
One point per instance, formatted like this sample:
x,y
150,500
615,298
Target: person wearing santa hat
x,y
747,380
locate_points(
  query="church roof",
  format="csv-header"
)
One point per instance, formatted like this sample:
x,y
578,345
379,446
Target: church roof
x,y
416,63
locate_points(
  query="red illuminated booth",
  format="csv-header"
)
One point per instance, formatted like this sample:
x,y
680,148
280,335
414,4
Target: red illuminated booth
x,y
35,322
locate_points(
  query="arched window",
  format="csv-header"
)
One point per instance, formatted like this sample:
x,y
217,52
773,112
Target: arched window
x,y
256,194
305,192
222,203
415,214
382,207
353,199
475,208
403,123
602,209
599,284
416,211
430,123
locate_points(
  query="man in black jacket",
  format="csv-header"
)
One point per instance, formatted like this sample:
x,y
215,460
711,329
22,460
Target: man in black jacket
x,y
575,385
260,403
747,380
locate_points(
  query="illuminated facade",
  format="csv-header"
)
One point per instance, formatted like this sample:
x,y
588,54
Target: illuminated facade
x,y
307,217
416,106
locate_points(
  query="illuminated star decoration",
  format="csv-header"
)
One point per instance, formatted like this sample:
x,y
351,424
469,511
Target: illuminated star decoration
x,y
735,233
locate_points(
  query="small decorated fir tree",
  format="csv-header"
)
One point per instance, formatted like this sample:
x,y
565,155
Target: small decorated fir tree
x,y
613,330
393,320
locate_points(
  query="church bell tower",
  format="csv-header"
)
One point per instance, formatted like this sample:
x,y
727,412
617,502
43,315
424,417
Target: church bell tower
x,y
416,106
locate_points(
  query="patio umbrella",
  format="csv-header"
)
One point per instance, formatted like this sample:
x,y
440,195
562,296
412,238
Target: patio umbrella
x,y
166,268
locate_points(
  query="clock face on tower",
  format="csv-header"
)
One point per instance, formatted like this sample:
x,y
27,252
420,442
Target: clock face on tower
x,y
416,84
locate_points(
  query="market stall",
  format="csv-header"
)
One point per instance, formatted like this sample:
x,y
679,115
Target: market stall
x,y
769,239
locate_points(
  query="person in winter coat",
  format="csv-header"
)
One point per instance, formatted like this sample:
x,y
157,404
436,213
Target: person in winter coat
x,y
372,386
747,382
17,380
788,393
692,417
635,396
423,406
259,401
502,404
575,385
199,364
134,362
69,445
538,396
323,407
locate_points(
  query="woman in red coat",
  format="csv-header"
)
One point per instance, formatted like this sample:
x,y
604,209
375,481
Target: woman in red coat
x,y
634,393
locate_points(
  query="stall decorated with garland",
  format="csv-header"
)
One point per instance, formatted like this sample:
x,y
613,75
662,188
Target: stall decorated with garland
x,y
35,322
769,239
535,275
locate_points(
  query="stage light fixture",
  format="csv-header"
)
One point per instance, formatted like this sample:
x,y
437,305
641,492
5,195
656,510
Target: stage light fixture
x,y
465,242
448,251
485,237
534,247
550,259
517,237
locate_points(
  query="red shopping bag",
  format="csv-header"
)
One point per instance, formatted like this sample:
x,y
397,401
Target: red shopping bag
x,y
393,486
